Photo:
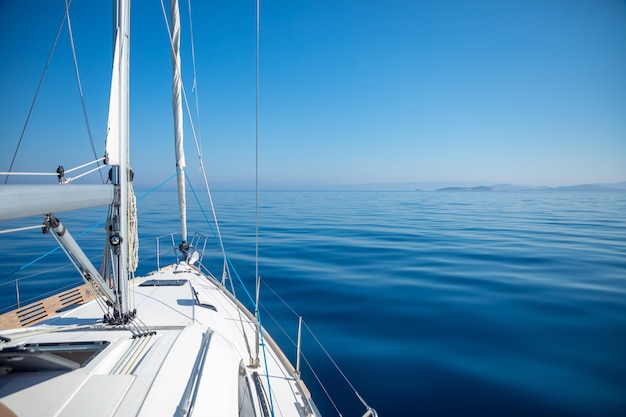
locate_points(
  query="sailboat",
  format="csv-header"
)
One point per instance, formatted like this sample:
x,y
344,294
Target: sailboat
x,y
175,342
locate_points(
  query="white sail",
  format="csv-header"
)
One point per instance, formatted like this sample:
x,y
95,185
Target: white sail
x,y
112,144
177,106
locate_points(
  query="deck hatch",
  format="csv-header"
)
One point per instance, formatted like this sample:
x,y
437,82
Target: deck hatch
x,y
163,283
34,357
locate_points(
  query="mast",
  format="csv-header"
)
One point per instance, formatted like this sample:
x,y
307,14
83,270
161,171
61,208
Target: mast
x,y
124,172
177,107
118,156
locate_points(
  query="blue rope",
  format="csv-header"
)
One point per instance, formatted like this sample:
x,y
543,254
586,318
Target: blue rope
x,y
230,264
155,188
26,265
204,214
267,373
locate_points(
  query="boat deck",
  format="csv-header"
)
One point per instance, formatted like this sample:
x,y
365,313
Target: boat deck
x,y
194,360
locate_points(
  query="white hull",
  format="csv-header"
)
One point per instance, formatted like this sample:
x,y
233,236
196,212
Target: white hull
x,y
191,365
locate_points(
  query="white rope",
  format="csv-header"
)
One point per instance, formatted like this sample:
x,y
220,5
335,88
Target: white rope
x,y
68,180
133,241
84,165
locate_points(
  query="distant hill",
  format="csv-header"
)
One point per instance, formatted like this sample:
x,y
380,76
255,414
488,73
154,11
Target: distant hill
x,y
587,187
614,187
481,188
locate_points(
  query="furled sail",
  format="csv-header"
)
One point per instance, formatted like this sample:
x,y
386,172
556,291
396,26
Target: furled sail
x,y
177,106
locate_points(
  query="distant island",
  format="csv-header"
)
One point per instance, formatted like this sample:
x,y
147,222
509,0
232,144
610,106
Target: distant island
x,y
616,187
479,188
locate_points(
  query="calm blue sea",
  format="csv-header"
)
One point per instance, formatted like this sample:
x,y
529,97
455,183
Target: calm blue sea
x,y
432,303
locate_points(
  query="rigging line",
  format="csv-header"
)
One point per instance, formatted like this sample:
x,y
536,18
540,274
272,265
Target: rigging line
x,y
256,165
67,171
206,217
50,252
32,104
336,366
293,342
239,279
295,313
216,233
194,87
321,346
257,314
208,190
80,87
156,187
277,324
98,168
31,300
321,384
267,372
36,274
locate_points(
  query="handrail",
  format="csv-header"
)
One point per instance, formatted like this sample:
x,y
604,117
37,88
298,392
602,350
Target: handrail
x,y
188,399
197,242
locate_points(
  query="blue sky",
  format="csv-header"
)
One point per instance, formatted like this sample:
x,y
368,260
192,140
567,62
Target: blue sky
x,y
524,92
